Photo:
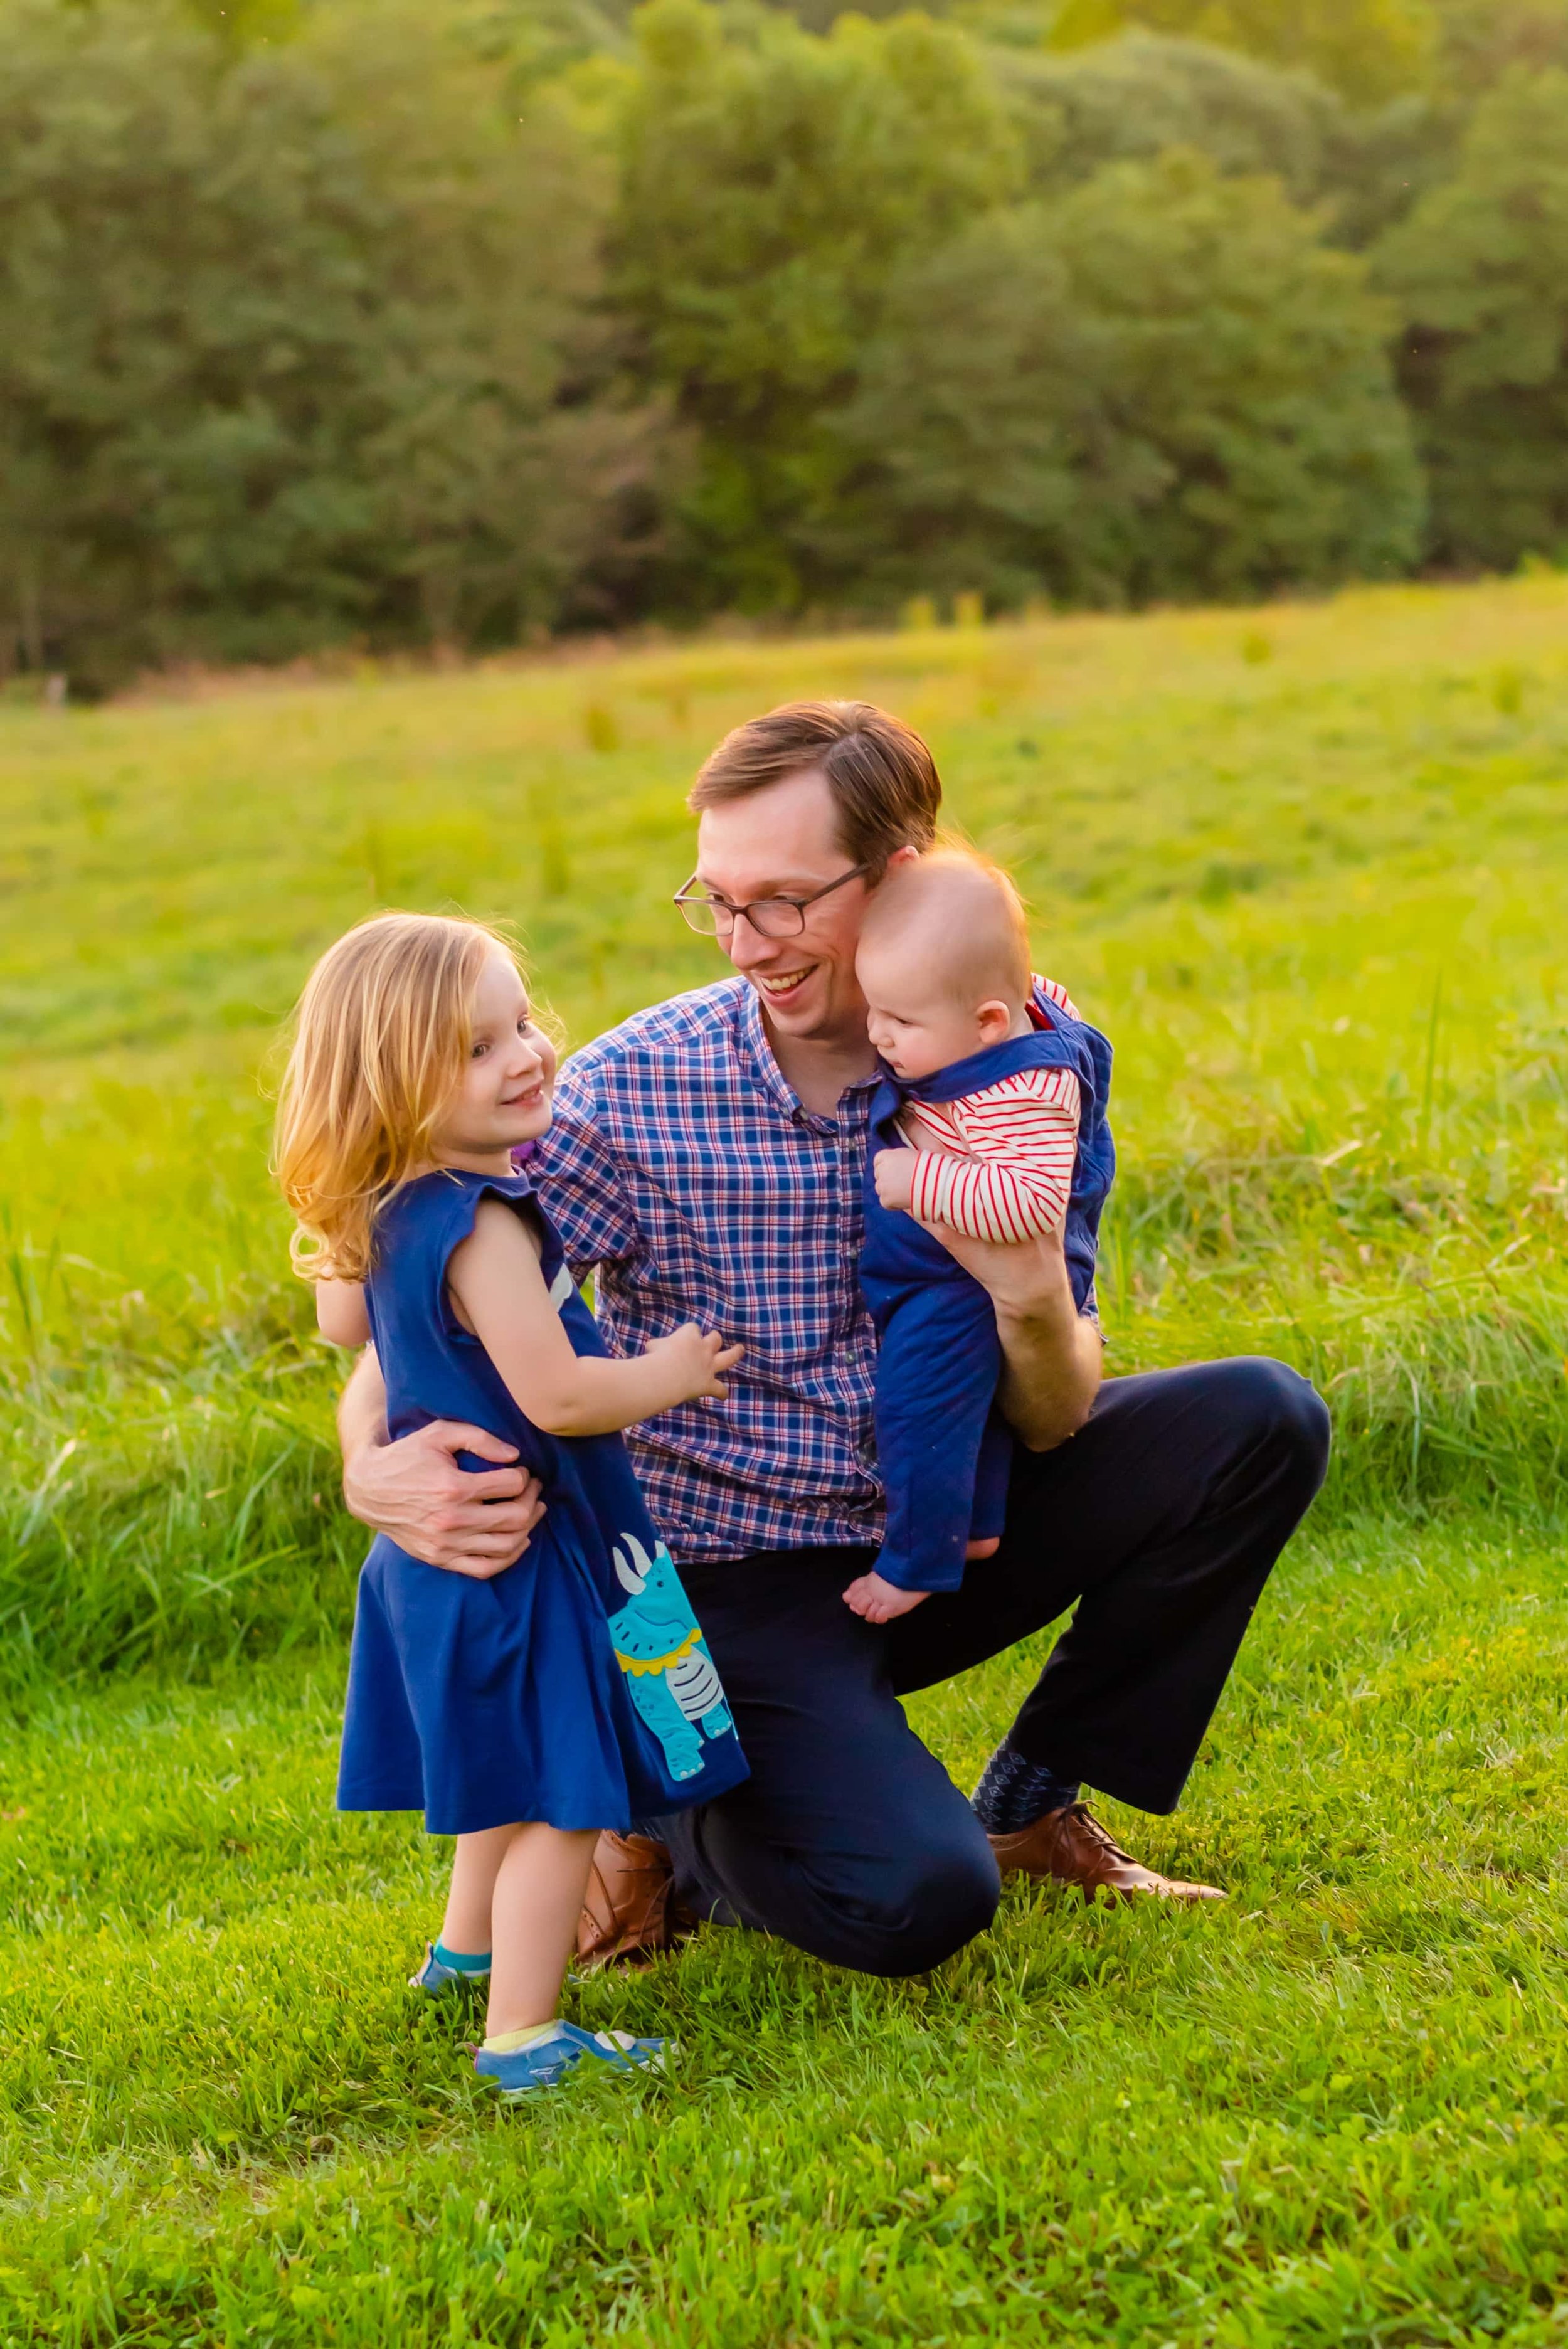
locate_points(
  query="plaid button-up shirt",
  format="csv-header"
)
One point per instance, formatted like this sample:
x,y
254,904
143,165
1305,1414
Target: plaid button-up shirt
x,y
683,1171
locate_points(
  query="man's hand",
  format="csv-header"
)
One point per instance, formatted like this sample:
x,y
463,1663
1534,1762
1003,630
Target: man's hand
x,y
880,1601
893,1171
414,1490
1053,1356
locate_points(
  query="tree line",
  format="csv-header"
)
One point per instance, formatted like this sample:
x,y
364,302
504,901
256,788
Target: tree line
x,y
362,322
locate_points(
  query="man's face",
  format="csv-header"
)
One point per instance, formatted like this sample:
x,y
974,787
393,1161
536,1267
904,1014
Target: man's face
x,y
783,842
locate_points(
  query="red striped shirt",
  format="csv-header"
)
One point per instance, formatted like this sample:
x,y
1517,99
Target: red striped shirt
x,y
1003,1165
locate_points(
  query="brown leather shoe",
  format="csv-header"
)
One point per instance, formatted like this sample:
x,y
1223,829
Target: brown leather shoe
x,y
1070,1846
629,1910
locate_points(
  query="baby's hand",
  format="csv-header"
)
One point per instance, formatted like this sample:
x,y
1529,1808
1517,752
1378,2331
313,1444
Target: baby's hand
x,y
894,1173
698,1358
877,1600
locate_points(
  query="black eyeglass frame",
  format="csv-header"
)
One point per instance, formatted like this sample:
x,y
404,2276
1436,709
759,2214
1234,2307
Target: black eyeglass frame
x,y
749,913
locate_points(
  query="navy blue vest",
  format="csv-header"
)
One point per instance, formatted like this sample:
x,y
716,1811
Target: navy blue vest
x,y
898,1249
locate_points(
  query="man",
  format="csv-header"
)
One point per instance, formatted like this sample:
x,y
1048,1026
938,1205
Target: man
x,y
706,1164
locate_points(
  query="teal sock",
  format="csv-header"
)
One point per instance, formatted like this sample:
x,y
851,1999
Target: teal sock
x,y
458,1963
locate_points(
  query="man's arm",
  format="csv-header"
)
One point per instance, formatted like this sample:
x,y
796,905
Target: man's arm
x,y
414,1490
1052,1353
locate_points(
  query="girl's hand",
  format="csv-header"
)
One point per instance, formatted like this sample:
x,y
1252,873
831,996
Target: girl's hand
x,y
893,1174
698,1358
877,1600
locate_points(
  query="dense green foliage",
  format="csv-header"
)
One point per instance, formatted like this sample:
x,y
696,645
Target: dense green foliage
x,y
1309,868
1160,382
1370,49
346,322
1165,381
769,185
1480,271
295,345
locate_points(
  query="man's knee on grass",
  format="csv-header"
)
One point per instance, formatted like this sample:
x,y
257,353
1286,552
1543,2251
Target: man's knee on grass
x,y
923,1912
1272,1407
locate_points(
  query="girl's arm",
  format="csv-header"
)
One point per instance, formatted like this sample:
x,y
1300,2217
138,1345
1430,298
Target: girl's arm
x,y
499,1292
340,1313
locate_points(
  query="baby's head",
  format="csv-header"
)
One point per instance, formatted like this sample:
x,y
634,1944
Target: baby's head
x,y
415,1046
944,960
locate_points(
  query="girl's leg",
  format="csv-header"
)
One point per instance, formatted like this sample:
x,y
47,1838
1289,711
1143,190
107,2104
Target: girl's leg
x,y
538,1898
475,1867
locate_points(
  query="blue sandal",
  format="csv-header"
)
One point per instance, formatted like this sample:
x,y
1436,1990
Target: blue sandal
x,y
545,2062
434,1978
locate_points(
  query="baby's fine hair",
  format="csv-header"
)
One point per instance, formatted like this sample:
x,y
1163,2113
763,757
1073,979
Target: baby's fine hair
x,y
973,923
380,1036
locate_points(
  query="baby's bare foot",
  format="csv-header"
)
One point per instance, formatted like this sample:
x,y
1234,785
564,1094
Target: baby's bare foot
x,y
879,1601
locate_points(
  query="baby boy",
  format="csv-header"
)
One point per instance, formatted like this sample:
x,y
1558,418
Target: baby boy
x,y
990,1118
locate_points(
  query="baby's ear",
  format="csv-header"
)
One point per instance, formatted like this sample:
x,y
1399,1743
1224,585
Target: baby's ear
x,y
994,1019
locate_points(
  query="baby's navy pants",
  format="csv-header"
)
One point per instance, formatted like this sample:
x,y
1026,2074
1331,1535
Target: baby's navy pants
x,y
943,1451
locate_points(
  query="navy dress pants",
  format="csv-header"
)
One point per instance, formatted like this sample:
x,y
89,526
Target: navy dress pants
x,y
1158,1523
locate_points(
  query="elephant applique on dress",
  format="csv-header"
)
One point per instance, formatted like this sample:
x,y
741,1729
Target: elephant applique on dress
x,y
660,1647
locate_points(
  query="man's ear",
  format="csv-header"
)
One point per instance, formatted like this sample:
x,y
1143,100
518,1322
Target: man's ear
x,y
994,1019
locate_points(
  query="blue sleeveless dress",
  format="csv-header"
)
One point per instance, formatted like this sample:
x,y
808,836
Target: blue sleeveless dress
x,y
574,1687
944,1452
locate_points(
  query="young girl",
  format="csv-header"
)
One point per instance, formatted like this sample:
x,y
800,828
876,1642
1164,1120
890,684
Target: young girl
x,y
573,1691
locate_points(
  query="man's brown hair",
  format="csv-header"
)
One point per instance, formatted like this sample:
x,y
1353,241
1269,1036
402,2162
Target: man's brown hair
x,y
884,779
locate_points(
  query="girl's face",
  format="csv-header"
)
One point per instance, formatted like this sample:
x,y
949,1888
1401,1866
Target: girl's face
x,y
503,1095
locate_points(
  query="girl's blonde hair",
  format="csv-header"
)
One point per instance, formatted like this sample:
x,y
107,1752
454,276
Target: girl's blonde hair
x,y
380,1037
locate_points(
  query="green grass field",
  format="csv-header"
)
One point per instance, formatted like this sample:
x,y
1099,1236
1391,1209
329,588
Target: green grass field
x,y
1310,868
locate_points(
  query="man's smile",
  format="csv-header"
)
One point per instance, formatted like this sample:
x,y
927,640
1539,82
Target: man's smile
x,y
781,985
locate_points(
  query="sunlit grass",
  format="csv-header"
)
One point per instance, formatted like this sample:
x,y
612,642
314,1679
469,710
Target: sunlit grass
x,y
1331,2113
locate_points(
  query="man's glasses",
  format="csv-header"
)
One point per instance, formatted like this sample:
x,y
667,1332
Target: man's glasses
x,y
771,917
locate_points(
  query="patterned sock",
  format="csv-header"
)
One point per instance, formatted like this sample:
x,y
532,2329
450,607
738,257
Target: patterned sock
x,y
458,1963
507,2043
1013,1791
